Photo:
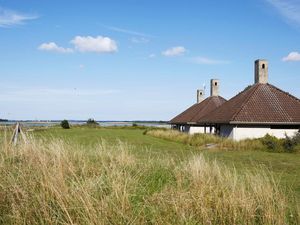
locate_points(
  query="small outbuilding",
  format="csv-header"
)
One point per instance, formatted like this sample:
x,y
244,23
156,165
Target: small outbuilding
x,y
258,110
190,120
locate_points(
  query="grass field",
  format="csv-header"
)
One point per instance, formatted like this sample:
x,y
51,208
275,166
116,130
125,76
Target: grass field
x,y
121,176
286,166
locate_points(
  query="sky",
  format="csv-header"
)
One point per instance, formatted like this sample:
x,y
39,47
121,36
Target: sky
x,y
138,59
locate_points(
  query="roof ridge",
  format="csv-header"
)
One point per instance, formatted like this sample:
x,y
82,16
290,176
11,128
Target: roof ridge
x,y
287,93
217,100
278,102
195,115
202,108
255,87
182,113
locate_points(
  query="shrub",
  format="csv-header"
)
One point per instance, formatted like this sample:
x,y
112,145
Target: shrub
x,y
65,124
92,122
292,144
272,143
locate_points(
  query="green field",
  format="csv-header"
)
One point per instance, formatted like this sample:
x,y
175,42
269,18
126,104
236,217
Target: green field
x,y
285,166
86,175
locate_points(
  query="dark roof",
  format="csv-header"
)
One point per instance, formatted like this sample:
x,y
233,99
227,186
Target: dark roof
x,y
258,104
197,111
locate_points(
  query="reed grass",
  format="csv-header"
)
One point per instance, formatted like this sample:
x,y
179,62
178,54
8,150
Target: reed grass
x,y
57,182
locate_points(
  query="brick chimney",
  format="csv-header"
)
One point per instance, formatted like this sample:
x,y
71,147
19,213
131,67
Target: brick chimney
x,y
214,87
261,71
200,95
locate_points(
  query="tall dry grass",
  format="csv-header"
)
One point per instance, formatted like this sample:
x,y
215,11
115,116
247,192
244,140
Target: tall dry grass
x,y
206,139
56,182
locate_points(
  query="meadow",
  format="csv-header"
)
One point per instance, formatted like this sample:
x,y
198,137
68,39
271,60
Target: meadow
x,y
88,175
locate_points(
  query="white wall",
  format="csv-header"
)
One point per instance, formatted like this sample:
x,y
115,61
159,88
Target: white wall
x,y
196,130
240,133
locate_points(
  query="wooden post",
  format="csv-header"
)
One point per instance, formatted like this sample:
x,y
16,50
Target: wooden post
x,y
16,132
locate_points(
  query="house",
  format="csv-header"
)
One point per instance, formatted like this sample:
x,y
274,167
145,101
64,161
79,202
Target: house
x,y
189,120
258,110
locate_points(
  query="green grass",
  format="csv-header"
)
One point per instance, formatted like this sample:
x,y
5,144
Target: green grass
x,y
121,176
147,145
283,165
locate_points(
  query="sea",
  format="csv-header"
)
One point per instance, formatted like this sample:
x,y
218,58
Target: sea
x,y
80,122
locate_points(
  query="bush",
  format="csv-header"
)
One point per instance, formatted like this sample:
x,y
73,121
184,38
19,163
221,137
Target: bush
x,y
292,144
65,124
288,144
272,143
92,122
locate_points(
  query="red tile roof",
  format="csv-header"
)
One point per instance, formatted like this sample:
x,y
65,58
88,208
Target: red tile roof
x,y
197,111
258,104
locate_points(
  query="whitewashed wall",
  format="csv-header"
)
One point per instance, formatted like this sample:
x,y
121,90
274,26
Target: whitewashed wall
x,y
196,130
240,133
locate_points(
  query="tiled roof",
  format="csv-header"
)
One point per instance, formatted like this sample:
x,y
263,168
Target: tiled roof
x,y
260,104
197,111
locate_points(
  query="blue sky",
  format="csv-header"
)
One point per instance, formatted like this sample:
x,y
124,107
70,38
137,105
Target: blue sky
x,y
138,59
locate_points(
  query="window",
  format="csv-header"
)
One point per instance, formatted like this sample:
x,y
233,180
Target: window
x,y
263,66
216,83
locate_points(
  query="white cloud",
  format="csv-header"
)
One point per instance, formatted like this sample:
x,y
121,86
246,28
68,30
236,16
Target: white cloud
x,y
126,31
10,18
94,44
174,51
53,47
293,56
207,61
290,9
152,56
140,40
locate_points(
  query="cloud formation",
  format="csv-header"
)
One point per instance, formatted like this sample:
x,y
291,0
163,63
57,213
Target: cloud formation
x,y
94,44
126,31
53,47
290,9
207,61
140,40
97,44
174,51
10,18
293,56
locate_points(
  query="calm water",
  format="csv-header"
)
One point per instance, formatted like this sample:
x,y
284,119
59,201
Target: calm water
x,y
104,124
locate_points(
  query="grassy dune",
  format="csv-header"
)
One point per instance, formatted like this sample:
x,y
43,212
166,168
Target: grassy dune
x,y
120,176
56,182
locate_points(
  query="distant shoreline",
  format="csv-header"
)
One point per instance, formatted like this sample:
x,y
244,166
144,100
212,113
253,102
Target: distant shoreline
x,y
101,121
50,123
